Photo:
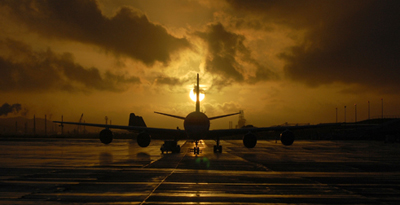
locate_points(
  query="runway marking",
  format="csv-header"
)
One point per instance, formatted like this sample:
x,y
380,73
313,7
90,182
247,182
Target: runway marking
x,y
206,194
162,181
184,183
231,172
198,183
236,195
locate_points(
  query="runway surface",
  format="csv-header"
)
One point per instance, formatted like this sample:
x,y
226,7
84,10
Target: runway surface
x,y
84,171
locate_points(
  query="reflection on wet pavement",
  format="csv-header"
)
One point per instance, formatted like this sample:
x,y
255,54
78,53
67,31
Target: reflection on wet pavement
x,y
105,159
59,171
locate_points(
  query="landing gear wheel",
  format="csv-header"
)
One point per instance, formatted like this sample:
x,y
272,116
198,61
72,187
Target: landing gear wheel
x,y
217,149
196,150
177,149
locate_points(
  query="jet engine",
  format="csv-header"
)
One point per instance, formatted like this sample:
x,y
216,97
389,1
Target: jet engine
x,y
143,139
287,137
250,140
106,136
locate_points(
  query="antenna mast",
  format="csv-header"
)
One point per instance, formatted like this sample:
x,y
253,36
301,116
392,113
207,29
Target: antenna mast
x,y
197,95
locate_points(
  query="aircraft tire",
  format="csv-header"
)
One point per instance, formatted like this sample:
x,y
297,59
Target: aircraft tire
x,y
177,149
217,149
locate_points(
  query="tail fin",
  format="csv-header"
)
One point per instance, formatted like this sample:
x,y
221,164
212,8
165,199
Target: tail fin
x,y
197,95
136,121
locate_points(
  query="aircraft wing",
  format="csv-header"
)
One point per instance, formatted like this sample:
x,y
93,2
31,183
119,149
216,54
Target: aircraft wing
x,y
229,132
150,130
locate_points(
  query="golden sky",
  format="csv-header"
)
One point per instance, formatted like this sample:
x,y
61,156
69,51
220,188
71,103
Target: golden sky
x,y
279,61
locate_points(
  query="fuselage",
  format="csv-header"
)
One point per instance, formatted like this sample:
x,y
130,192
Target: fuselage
x,y
196,125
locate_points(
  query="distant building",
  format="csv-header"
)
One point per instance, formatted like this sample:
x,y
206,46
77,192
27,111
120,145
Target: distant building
x,y
242,121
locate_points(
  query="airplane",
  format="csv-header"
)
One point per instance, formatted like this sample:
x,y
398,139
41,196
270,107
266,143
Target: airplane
x,y
196,127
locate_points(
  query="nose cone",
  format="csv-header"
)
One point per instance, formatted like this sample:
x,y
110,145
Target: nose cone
x,y
196,125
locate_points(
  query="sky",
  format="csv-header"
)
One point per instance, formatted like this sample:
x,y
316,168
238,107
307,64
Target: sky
x,y
279,61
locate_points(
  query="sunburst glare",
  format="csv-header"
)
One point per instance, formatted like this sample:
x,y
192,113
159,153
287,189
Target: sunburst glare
x,y
193,95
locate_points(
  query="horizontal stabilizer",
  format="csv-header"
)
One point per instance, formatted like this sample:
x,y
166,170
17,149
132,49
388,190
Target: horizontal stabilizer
x,y
175,116
221,116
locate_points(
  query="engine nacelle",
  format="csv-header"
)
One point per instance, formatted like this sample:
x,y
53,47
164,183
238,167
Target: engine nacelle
x,y
287,137
106,136
143,139
250,140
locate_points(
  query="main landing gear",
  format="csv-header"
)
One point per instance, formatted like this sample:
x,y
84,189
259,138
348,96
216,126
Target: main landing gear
x,y
217,148
196,149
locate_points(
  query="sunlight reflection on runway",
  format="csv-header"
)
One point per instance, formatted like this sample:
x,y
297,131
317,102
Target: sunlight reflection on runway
x,y
63,171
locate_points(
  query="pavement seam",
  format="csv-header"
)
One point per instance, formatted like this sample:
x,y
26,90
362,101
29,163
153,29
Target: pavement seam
x,y
162,181
147,165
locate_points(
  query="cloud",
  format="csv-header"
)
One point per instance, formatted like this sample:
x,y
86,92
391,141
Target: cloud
x,y
128,32
226,107
5,109
351,42
229,59
166,80
26,70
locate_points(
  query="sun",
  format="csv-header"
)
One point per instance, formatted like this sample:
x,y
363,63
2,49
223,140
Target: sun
x,y
193,95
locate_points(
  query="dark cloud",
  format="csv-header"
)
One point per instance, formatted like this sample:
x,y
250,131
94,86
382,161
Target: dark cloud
x,y
27,70
172,81
5,109
353,42
128,32
228,57
296,14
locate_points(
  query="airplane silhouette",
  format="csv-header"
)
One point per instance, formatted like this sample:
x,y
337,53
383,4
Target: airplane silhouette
x,y
197,127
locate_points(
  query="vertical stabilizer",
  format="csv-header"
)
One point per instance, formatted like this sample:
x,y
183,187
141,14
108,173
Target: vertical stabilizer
x,y
136,121
197,95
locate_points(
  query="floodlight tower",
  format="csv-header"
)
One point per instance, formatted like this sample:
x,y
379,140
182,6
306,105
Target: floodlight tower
x,y
336,115
369,116
355,112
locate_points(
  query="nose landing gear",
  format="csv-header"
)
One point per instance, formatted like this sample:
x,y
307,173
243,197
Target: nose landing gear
x,y
196,149
217,148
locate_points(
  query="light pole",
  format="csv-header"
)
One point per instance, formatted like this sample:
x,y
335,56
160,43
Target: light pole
x,y
382,107
369,116
344,114
45,125
355,112
336,115
34,125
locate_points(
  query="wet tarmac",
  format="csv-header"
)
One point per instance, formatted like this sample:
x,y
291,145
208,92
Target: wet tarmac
x,y
84,171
